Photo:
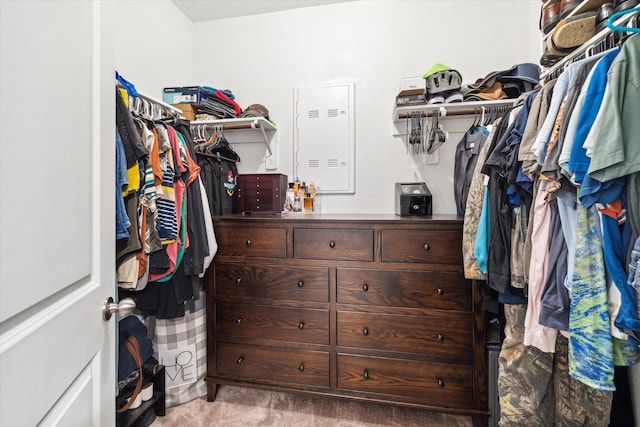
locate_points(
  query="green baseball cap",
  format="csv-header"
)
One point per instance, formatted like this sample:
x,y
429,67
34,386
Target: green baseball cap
x,y
437,68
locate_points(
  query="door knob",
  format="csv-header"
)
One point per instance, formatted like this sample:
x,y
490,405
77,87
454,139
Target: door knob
x,y
125,307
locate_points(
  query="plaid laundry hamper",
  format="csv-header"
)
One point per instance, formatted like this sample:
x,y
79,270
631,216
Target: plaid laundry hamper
x,y
181,346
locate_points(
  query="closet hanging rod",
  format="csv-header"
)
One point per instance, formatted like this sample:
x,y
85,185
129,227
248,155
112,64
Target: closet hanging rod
x,y
461,112
228,126
449,109
239,123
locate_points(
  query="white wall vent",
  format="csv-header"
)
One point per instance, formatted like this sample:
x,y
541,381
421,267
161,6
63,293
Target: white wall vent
x,y
324,137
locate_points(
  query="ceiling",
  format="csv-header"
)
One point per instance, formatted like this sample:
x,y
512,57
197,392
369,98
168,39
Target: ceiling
x,y
209,10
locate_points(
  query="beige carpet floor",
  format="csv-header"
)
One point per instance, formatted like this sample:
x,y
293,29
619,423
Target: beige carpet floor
x,y
245,407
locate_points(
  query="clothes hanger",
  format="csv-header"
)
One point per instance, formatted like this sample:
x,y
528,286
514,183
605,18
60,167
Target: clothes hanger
x,y
196,134
437,135
134,105
221,147
216,145
475,123
196,131
212,139
416,132
423,135
199,137
615,16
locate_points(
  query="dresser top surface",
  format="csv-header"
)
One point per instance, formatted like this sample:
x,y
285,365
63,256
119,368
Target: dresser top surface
x,y
295,217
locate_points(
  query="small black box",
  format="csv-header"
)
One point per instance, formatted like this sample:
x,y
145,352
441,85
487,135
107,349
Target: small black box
x,y
413,198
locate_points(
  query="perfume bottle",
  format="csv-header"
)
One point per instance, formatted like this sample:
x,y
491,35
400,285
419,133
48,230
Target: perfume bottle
x,y
290,196
308,203
297,204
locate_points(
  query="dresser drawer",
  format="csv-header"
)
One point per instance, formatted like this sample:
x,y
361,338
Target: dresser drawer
x,y
252,242
439,247
334,244
273,323
272,282
399,288
438,383
274,364
259,204
414,334
266,193
262,180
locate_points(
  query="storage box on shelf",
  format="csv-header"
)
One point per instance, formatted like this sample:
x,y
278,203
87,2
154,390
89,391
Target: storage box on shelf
x,y
182,95
188,110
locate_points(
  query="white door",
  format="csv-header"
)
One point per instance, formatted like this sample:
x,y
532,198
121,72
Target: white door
x,y
57,154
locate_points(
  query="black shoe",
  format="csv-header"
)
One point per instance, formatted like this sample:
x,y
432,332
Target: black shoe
x,y
604,12
620,5
548,59
146,419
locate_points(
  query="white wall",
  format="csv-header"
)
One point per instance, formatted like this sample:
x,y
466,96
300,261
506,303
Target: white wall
x,y
154,45
263,58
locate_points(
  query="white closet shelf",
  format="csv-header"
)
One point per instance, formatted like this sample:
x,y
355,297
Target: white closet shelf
x,y
452,109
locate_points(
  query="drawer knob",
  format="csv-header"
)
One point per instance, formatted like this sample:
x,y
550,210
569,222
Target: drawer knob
x,y
239,361
238,320
440,383
440,337
365,331
365,375
301,368
300,283
426,247
365,287
332,244
238,281
440,291
301,326
248,243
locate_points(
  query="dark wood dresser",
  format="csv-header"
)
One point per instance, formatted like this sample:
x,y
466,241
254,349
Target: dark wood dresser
x,y
372,308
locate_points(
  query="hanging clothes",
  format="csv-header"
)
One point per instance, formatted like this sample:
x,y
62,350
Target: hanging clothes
x,y
580,316
217,161
473,210
169,240
465,161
